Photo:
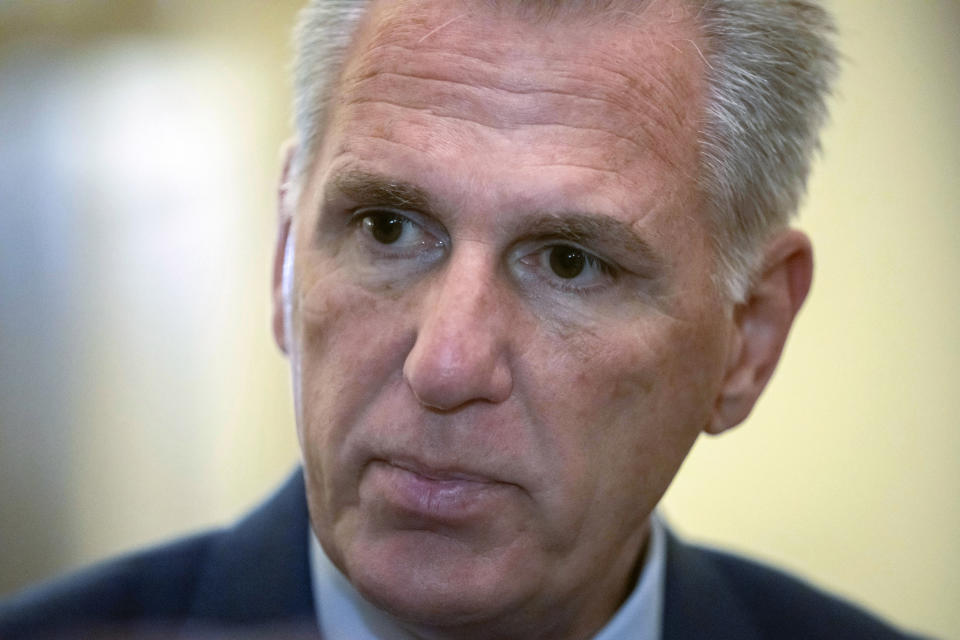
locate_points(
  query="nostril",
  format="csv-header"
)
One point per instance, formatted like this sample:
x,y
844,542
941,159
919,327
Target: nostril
x,y
428,404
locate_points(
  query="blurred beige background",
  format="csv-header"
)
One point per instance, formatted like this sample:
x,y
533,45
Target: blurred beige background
x,y
141,395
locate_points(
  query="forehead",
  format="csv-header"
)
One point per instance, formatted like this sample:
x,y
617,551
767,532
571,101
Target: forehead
x,y
491,110
632,73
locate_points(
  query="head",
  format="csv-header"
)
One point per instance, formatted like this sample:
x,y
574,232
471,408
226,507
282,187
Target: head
x,y
530,251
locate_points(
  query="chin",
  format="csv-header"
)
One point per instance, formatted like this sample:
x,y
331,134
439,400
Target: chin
x,y
441,582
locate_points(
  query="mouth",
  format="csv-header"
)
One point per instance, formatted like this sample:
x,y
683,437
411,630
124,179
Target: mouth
x,y
438,474
421,496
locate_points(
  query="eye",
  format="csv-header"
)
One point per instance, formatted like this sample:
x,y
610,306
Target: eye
x,y
569,268
389,234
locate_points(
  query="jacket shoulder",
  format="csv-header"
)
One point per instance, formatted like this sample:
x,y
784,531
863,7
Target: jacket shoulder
x,y
252,574
783,606
153,585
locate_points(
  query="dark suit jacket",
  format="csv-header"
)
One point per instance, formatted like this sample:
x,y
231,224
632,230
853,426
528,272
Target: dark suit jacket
x,y
255,577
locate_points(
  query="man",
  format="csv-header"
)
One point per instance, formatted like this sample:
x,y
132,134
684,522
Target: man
x,y
527,252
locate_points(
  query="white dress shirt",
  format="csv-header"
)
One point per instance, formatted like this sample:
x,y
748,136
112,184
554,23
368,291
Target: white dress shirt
x,y
343,613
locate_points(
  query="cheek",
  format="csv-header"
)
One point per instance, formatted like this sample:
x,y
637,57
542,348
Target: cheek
x,y
350,346
343,327
631,402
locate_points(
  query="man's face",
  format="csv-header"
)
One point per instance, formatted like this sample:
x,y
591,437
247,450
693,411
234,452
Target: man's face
x,y
503,331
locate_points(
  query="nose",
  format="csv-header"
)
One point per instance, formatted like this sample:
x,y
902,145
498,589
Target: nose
x,y
461,352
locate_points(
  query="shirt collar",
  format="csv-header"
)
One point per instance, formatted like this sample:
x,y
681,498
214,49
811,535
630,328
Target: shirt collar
x,y
343,613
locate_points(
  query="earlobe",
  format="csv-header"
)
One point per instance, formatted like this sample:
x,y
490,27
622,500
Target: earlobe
x,y
761,326
286,205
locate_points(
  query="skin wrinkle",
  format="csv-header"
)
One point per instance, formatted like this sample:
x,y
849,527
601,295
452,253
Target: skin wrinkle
x,y
346,149
629,81
519,125
656,150
655,101
610,172
519,92
388,141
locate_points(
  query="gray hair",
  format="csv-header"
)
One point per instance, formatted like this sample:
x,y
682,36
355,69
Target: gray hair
x,y
769,66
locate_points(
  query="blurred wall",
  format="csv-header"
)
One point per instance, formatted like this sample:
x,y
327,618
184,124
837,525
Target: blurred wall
x,y
140,392
141,395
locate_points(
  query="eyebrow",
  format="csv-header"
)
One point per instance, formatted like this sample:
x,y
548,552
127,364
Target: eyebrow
x,y
574,226
375,189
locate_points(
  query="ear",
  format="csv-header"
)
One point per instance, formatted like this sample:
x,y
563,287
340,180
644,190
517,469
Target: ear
x,y
761,325
286,205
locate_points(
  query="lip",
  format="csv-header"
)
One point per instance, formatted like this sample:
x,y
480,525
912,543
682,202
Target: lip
x,y
438,475
420,496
